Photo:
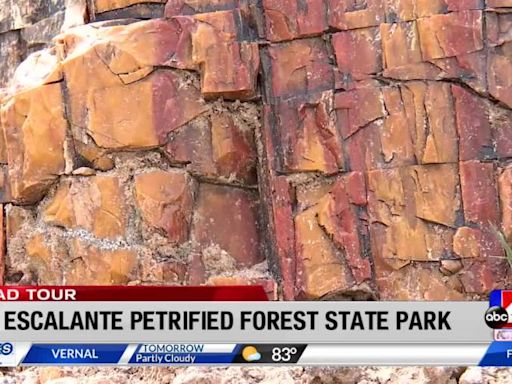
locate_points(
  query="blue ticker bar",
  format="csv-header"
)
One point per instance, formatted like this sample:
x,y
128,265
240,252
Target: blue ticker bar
x,y
74,354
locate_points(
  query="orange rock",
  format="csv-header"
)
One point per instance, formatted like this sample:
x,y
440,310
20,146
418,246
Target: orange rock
x,y
430,108
435,195
46,259
268,284
35,138
347,14
466,242
227,217
233,150
165,201
15,218
300,67
307,133
395,204
92,265
140,115
473,125
109,5
93,156
95,204
419,282
498,74
499,3
320,271
228,67
400,44
451,34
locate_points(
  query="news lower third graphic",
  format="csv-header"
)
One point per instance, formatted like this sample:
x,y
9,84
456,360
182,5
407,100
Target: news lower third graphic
x,y
180,326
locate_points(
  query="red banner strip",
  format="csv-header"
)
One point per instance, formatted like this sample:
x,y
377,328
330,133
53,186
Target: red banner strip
x,y
132,293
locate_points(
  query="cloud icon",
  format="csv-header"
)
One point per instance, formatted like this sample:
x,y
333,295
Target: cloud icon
x,y
250,354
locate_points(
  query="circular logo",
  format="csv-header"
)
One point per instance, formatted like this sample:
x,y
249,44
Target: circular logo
x,y
496,317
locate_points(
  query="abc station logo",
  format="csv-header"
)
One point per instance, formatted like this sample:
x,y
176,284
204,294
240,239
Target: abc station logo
x,y
496,317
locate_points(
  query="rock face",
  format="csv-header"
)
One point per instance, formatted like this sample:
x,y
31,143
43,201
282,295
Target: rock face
x,y
352,148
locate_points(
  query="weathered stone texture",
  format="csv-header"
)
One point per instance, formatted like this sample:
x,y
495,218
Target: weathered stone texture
x,y
322,148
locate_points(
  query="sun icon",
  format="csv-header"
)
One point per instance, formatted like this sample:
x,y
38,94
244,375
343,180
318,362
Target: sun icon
x,y
251,354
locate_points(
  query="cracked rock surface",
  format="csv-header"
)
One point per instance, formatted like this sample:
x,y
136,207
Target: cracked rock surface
x,y
326,149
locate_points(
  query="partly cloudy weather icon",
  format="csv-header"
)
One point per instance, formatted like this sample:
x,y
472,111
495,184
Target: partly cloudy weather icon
x,y
250,354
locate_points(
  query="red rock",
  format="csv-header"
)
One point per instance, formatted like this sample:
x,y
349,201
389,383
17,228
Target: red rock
x,y
358,108
300,67
498,74
481,277
400,44
358,52
469,68
283,231
451,34
219,148
375,124
165,202
350,14
233,149
501,127
308,134
473,126
35,139
340,221
228,68
479,195
227,217
288,20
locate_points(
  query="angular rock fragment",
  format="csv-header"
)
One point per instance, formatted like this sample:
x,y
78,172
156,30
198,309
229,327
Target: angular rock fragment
x,y
95,204
228,217
473,126
165,201
217,147
400,44
300,67
305,129
358,52
451,34
93,265
350,14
